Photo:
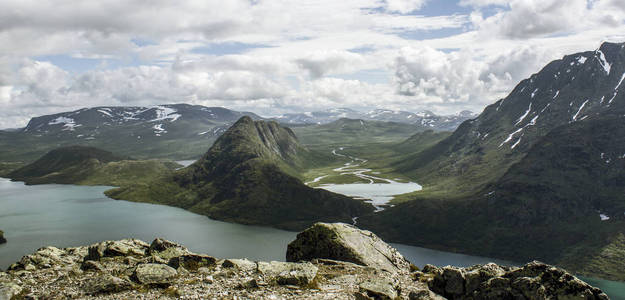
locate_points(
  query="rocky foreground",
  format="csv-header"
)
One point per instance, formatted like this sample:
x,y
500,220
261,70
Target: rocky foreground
x,y
328,261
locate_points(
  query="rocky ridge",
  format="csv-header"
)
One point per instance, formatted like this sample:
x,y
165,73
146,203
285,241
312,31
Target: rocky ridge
x,y
131,269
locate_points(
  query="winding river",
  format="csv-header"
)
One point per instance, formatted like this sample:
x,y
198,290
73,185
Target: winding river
x,y
378,191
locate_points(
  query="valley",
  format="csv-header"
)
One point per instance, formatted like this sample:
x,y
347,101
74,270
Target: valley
x,y
537,175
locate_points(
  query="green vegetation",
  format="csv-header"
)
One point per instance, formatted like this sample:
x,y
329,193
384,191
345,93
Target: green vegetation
x,y
250,176
547,205
355,132
604,262
89,166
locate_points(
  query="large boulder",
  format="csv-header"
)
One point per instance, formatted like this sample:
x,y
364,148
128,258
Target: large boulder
x,y
345,242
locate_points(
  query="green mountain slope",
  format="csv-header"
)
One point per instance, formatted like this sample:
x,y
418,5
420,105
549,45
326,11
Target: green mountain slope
x,y
354,131
89,166
249,176
538,175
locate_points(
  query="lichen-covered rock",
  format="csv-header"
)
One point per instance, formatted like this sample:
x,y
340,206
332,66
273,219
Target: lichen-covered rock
x,y
106,283
241,264
166,249
345,242
127,247
131,269
9,289
155,274
286,273
382,288
192,261
535,280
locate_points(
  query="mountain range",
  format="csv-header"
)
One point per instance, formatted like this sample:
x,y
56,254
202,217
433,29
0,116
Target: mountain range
x,y
537,175
158,131
423,118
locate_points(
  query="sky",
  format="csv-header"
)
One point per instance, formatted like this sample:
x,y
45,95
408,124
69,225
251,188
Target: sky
x,y
279,56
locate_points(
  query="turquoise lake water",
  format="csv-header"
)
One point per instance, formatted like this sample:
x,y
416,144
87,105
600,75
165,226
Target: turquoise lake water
x,y
68,215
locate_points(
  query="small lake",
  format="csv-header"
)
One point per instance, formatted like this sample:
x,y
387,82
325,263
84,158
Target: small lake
x,y
379,194
68,215
374,192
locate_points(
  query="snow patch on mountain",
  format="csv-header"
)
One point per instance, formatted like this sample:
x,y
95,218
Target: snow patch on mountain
x,y
604,63
165,113
579,110
68,123
524,115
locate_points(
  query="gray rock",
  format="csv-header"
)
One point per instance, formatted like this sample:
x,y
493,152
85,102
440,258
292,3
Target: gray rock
x,y
166,249
347,243
286,273
106,283
8,290
127,247
192,261
91,265
535,280
241,264
454,280
423,294
155,274
379,288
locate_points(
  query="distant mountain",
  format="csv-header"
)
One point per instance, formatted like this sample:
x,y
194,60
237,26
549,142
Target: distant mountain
x,y
88,166
423,118
250,176
158,131
355,131
539,174
141,132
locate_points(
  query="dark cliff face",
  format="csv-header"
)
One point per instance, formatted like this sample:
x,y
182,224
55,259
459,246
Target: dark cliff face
x,y
538,175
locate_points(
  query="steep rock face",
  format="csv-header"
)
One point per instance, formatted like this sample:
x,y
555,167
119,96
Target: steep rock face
x,y
346,243
130,269
248,176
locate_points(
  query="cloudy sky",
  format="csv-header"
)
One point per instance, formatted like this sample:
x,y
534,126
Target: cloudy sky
x,y
276,56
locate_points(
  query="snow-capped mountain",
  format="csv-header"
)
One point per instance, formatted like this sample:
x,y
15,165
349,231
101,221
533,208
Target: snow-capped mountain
x,y
173,130
424,118
158,118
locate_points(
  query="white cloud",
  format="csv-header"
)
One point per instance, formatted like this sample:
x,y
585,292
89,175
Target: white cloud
x,y
404,6
326,62
281,55
538,18
462,77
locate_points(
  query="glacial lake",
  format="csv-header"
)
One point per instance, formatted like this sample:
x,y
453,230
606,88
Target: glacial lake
x,y
68,215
